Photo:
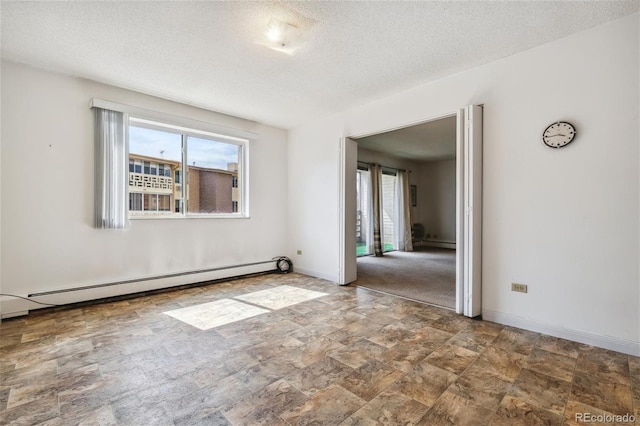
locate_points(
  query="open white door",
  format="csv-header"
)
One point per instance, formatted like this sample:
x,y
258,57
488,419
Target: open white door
x,y
469,212
348,266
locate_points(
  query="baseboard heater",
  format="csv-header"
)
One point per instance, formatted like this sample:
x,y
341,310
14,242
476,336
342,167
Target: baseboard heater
x,y
155,277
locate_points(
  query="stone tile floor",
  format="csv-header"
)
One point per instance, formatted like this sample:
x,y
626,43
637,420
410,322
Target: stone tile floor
x,y
351,357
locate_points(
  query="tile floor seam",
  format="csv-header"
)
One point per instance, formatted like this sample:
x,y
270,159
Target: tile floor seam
x,y
573,373
495,413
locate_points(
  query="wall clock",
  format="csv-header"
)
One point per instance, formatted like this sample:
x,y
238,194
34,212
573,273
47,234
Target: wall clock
x,y
558,134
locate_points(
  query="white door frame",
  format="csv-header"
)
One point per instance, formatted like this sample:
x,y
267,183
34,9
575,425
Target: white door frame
x,y
468,207
469,211
347,266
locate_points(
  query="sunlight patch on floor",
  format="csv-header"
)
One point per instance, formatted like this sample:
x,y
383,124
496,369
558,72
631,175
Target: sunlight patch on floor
x,y
280,297
215,314
225,311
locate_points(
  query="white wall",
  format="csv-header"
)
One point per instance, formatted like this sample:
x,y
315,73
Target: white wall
x,y
48,241
565,222
369,156
436,206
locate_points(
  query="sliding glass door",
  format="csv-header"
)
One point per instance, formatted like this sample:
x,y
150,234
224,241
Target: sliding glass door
x,y
389,211
390,215
364,243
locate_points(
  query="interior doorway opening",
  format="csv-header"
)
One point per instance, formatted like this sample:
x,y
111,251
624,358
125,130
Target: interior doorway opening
x,y
468,205
423,270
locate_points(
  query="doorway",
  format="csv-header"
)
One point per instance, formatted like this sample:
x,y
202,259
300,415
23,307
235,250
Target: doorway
x,y
425,269
468,207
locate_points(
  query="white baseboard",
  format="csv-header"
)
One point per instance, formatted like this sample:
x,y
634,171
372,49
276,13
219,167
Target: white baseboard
x,y
11,306
315,274
441,244
629,347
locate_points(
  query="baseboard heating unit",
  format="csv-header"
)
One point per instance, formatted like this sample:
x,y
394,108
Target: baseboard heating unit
x,y
20,304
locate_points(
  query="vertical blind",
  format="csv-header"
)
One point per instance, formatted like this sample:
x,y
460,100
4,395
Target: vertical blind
x,y
111,169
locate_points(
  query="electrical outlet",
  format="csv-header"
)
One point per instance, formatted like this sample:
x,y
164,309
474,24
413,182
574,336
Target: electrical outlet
x,y
522,288
299,252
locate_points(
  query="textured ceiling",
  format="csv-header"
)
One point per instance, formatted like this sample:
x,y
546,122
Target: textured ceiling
x,y
434,140
208,53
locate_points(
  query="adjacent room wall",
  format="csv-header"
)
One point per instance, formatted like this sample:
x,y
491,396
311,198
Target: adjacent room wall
x,y
48,241
369,156
436,201
565,221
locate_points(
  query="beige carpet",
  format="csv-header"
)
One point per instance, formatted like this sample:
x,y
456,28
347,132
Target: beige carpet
x,y
428,275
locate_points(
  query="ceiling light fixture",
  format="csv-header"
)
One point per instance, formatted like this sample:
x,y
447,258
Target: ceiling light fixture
x,y
281,36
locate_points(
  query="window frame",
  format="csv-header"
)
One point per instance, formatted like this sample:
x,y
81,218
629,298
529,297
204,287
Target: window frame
x,y
186,133
197,128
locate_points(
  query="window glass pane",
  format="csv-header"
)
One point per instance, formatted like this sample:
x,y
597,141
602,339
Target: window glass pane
x,y
208,182
363,214
151,202
135,201
147,149
164,202
211,168
388,202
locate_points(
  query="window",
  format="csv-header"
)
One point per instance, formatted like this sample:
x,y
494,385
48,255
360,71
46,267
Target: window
x,y
212,166
166,170
135,201
164,203
166,154
150,202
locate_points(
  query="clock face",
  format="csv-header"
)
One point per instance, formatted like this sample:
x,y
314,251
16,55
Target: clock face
x,y
558,134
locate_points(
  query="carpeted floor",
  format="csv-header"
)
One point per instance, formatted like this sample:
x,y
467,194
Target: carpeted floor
x,y
428,275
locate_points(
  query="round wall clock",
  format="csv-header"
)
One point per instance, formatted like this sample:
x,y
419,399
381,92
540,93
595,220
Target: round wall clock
x,y
558,134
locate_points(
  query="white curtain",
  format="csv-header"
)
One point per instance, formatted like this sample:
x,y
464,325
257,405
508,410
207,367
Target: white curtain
x,y
404,215
111,169
376,177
